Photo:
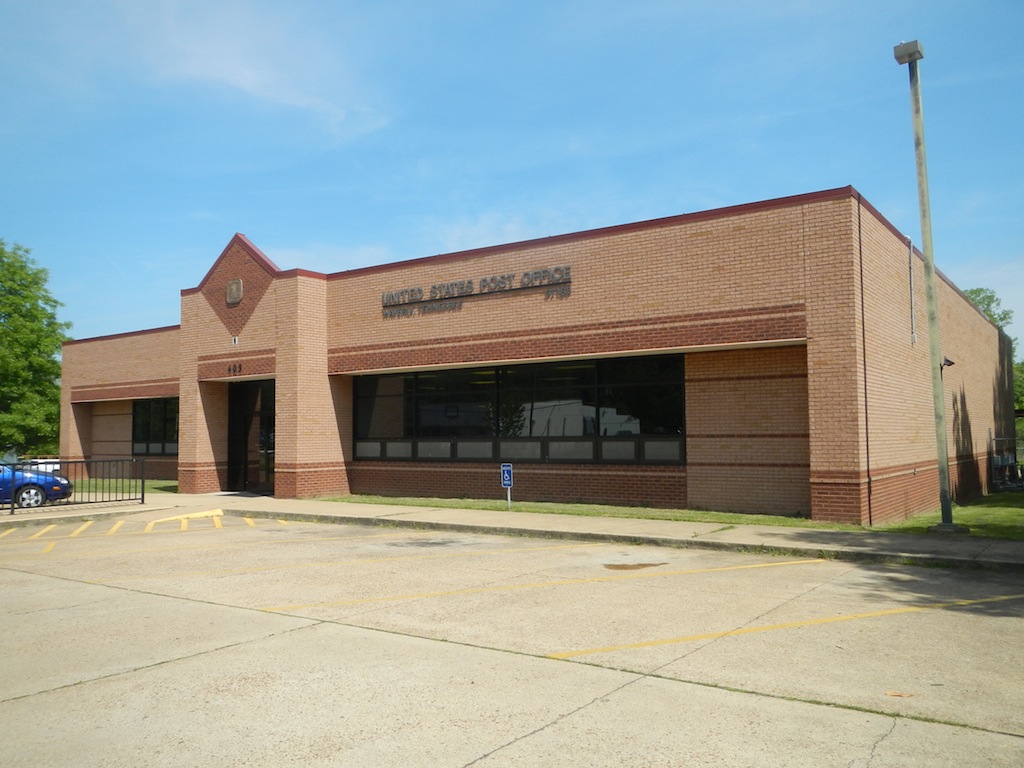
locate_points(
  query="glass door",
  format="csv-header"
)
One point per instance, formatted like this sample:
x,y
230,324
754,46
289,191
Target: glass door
x,y
251,436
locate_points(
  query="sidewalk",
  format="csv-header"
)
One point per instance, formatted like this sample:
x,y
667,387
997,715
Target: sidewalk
x,y
939,550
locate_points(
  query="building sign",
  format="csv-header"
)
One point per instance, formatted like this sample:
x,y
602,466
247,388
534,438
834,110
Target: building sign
x,y
448,296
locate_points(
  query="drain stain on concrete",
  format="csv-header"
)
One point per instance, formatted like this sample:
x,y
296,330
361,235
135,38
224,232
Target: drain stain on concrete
x,y
631,566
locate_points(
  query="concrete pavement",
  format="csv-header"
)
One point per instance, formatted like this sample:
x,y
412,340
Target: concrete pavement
x,y
936,550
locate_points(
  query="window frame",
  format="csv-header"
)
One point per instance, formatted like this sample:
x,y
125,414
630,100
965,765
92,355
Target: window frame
x,y
155,423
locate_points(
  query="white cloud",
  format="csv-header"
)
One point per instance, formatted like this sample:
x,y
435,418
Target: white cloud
x,y
267,51
485,229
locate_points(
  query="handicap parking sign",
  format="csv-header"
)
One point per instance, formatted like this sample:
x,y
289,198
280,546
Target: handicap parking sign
x,y
506,475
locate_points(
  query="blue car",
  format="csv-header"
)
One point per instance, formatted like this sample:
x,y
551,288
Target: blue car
x,y
31,487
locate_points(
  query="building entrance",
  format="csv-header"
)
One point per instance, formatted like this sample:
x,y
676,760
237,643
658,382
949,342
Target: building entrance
x,y
251,436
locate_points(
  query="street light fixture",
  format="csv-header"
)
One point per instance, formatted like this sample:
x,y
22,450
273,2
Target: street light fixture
x,y
911,53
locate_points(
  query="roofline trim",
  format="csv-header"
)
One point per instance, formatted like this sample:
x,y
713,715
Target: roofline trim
x,y
589,234
163,329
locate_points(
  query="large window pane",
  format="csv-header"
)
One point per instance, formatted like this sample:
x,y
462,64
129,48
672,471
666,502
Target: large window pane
x,y
536,408
641,410
456,415
155,427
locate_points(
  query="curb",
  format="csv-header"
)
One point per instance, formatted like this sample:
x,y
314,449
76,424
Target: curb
x,y
20,520
854,556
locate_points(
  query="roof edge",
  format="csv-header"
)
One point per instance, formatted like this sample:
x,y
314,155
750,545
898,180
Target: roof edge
x,y
163,329
588,234
246,244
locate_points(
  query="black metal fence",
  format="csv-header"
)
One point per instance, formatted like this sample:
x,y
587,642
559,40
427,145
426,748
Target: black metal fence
x,y
29,485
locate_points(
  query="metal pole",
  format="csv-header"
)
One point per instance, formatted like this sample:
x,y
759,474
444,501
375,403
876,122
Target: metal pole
x,y
911,53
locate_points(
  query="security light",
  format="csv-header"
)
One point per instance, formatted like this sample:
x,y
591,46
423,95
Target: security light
x,y
908,52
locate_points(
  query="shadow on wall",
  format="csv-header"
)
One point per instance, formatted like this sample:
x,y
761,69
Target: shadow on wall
x,y
1002,404
967,480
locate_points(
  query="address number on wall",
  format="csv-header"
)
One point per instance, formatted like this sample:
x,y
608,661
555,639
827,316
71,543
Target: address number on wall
x,y
234,369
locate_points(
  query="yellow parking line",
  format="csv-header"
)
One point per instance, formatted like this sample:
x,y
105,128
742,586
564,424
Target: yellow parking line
x,y
539,585
81,528
786,625
8,532
283,522
49,547
217,523
115,527
183,518
48,528
250,521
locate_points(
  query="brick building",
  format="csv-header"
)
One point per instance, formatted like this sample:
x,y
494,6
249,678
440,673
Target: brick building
x,y
770,357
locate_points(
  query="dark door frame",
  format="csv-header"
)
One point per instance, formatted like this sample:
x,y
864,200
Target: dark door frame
x,y
251,424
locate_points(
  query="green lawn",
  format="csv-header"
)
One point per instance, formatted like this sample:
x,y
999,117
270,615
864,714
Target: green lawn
x,y
161,486
600,510
998,516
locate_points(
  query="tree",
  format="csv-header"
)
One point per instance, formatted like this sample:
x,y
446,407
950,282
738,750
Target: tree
x,y
30,346
1018,387
987,301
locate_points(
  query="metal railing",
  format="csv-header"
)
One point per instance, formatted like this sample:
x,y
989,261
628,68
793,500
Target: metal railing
x,y
29,485
1004,463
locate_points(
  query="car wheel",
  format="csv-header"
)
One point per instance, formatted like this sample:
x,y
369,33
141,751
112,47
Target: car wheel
x,y
30,496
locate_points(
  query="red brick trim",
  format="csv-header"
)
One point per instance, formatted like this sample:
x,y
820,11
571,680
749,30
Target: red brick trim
x,y
749,464
745,435
246,368
251,250
781,323
755,377
237,355
125,390
655,486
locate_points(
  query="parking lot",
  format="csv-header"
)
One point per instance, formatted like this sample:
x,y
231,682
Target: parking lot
x,y
221,640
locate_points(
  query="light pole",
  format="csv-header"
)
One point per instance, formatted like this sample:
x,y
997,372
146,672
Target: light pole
x,y
910,53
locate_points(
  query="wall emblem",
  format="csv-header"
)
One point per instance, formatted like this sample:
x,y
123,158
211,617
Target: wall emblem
x,y
234,292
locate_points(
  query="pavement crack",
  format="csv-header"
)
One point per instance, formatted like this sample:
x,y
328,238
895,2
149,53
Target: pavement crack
x,y
557,720
877,744
162,662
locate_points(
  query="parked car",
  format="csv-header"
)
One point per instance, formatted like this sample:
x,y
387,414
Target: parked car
x,y
32,486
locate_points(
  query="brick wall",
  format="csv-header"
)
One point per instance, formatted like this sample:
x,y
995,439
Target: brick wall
x,y
584,484
805,393
100,378
747,440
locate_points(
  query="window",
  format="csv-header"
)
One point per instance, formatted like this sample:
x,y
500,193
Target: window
x,y
155,427
624,410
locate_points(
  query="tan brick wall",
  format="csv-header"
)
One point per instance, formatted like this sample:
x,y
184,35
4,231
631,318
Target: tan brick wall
x,y
311,447
101,376
897,476
747,441
804,392
112,430
222,343
675,284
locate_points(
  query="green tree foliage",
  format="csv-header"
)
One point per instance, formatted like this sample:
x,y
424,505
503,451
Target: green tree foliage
x,y
1018,385
30,346
987,301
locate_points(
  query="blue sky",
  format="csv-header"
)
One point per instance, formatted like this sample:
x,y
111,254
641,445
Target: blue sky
x,y
137,136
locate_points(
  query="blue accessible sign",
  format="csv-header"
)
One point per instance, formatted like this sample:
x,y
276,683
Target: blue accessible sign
x,y
506,475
